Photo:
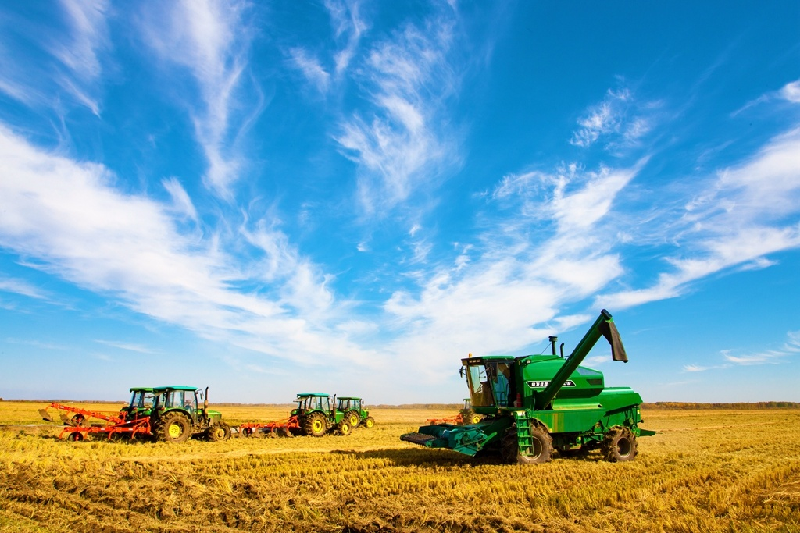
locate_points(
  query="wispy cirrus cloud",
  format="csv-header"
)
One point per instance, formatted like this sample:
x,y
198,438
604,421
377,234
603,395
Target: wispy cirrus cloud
x,y
789,92
745,213
311,68
211,41
619,119
22,287
348,27
64,65
398,144
767,357
70,218
126,346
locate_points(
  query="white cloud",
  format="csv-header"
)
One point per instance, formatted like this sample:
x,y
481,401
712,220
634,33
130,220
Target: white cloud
x,y
399,148
791,92
180,198
210,40
70,218
311,68
24,288
619,118
348,27
126,346
748,212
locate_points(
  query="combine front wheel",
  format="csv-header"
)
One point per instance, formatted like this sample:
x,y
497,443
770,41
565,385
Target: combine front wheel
x,y
174,427
620,445
540,450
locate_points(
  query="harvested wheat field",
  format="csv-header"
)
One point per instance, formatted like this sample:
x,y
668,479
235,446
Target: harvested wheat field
x,y
709,470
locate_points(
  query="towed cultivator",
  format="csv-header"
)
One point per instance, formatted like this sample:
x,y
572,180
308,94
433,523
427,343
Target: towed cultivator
x,y
79,428
282,428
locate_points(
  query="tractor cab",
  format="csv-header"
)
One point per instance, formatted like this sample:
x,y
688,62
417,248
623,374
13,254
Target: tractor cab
x,y
490,381
347,403
312,401
141,404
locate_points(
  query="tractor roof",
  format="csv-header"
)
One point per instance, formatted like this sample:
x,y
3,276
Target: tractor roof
x,y
174,387
349,398
137,389
318,394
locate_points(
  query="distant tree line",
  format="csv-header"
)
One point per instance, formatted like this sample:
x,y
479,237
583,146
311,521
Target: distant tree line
x,y
720,405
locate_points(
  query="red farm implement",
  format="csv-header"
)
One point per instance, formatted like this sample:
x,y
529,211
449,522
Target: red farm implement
x,y
78,427
283,428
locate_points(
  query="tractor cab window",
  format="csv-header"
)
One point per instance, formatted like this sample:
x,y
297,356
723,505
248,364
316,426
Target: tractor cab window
x,y
178,399
344,405
141,400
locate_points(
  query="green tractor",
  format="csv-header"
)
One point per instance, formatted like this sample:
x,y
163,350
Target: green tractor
x,y
536,404
468,416
317,416
354,412
176,415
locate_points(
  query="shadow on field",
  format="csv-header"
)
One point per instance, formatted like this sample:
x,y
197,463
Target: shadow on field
x,y
442,457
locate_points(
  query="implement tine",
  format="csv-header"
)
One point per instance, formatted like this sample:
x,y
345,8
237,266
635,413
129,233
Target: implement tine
x,y
45,415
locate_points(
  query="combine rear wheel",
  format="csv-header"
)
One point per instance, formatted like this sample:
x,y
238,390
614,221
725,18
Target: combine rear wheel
x,y
541,447
174,427
315,425
352,418
369,422
620,445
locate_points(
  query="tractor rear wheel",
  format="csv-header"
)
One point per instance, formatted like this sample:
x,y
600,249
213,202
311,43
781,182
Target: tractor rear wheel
x,y
369,422
315,425
352,418
174,427
344,427
620,445
541,447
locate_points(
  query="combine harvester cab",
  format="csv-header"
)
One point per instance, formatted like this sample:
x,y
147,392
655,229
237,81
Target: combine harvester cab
x,y
177,415
354,412
539,403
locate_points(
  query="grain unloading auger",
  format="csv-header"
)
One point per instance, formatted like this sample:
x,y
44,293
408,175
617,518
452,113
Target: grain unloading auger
x,y
536,403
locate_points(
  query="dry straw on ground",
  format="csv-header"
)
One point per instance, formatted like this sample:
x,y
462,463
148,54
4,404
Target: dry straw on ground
x,y
717,470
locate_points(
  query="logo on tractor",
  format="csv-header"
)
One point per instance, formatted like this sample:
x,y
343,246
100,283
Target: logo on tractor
x,y
543,384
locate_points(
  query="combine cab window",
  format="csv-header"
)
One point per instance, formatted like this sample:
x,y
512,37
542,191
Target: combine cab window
x,y
490,383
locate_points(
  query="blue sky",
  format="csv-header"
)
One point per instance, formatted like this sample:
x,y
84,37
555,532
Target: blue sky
x,y
343,196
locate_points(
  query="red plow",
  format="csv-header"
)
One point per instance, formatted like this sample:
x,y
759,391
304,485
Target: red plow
x,y
78,427
282,428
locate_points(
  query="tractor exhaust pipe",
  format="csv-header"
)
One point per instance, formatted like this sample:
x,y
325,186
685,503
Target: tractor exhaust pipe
x,y
205,401
553,339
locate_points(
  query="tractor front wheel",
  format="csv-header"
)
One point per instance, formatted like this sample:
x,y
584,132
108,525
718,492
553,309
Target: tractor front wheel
x,y
369,422
315,425
620,445
174,427
218,432
344,427
540,450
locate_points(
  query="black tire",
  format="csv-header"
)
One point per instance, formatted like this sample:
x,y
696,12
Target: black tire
x,y
284,432
174,427
315,425
466,417
216,433
369,422
76,436
344,427
620,445
542,447
352,418
227,429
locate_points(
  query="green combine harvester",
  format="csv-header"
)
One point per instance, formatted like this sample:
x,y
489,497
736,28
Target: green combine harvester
x,y
539,403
